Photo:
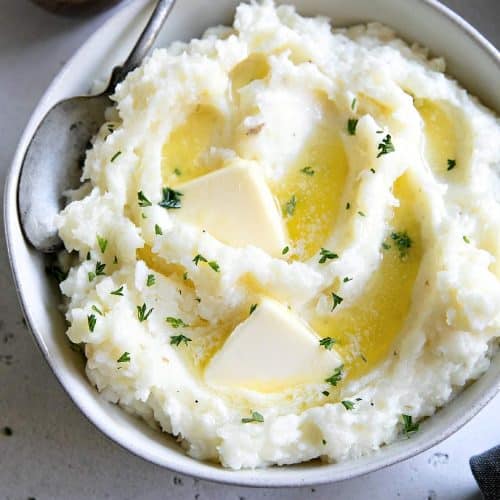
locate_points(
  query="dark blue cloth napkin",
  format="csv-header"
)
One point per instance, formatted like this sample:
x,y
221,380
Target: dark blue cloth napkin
x,y
486,471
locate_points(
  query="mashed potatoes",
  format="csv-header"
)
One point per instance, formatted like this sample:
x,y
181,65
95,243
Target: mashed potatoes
x,y
287,245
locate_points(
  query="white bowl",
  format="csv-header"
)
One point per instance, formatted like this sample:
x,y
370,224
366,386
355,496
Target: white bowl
x,y
471,59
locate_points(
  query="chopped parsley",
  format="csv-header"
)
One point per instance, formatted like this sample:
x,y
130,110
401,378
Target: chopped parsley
x,y
252,308
336,377
326,254
142,313
171,198
347,279
348,405
115,260
327,343
386,146
307,170
214,266
323,441
337,300
285,251
256,417
158,230
199,258
143,201
102,242
179,339
353,104
97,310
372,170
175,322
325,393
118,291
451,164
88,256
99,269
409,427
466,239
185,276
124,358
115,156
403,243
361,213
91,321
290,205
386,246
347,206
351,126
151,280
177,172
58,273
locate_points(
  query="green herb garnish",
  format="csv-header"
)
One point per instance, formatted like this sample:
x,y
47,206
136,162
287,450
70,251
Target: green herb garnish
x,y
327,343
451,164
348,405
347,206
97,310
151,280
91,321
175,322
337,300
409,427
336,377
115,156
353,104
325,393
466,239
179,339
347,279
386,146
214,266
199,258
142,315
307,170
171,198
177,172
252,308
403,243
124,358
158,230
256,417
361,213
290,205
143,201
99,269
351,126
285,251
326,254
118,291
58,273
102,242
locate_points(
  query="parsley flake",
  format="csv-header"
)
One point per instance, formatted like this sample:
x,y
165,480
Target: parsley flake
x,y
327,343
97,310
175,322
353,104
118,291
451,164
290,205
361,213
347,279
199,258
337,300
124,358
325,393
58,273
102,242
91,276
151,280
214,266
307,170
115,156
142,314
347,206
91,321
179,339
466,239
323,441
143,201
348,405
403,243
256,417
409,427
386,146
177,172
336,377
285,250
158,230
99,269
171,198
351,126
326,254
252,308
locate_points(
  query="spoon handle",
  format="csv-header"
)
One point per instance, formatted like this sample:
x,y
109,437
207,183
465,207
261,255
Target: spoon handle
x,y
142,46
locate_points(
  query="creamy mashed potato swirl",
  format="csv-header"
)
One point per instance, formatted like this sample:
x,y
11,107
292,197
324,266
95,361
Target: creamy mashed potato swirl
x,y
286,245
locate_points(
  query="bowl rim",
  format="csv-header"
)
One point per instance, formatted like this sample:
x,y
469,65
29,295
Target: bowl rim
x,y
194,467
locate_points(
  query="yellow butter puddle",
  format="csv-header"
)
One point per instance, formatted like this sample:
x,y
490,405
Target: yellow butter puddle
x,y
366,331
310,194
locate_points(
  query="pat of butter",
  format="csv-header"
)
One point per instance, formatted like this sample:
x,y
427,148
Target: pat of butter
x,y
269,351
235,205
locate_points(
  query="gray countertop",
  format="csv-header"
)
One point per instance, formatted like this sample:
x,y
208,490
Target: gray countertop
x,y
53,451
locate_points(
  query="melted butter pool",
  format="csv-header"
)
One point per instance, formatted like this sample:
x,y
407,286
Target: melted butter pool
x,y
367,330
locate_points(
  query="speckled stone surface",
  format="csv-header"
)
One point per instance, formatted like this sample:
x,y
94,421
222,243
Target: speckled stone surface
x,y
48,450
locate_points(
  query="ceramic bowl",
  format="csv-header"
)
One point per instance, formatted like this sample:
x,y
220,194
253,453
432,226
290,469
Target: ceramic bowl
x,y
471,59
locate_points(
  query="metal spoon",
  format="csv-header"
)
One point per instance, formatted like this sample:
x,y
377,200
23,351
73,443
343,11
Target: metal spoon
x,y
52,163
